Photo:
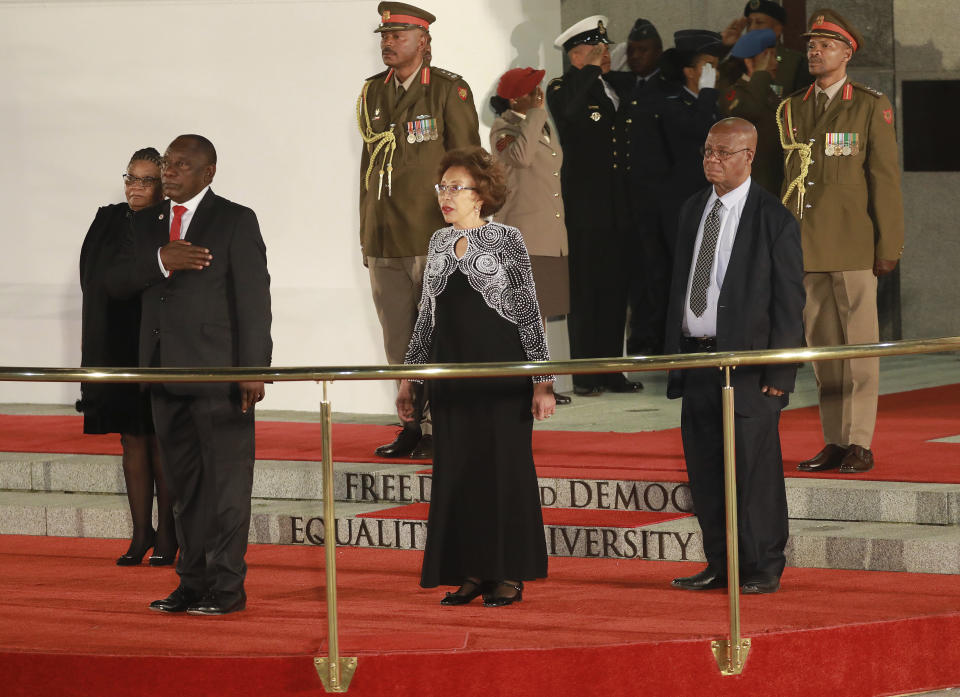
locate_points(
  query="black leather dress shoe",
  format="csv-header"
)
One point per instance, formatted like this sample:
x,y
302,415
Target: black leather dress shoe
x,y
583,391
214,603
625,385
827,459
706,580
562,399
858,459
759,586
178,601
406,440
424,449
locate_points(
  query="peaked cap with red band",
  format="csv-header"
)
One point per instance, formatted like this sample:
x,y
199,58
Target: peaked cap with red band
x,y
399,16
832,25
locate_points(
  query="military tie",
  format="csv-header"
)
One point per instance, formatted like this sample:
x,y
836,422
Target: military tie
x,y
701,274
821,102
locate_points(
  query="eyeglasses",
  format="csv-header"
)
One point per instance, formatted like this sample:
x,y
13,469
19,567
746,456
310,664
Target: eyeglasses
x,y
178,164
721,155
452,189
145,182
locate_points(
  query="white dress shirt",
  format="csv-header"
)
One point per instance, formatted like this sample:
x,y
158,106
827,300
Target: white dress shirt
x,y
191,206
731,208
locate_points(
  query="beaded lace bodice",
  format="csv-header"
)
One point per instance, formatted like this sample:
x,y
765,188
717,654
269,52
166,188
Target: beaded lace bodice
x,y
497,266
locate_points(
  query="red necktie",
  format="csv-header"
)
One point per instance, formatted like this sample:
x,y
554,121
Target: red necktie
x,y
178,212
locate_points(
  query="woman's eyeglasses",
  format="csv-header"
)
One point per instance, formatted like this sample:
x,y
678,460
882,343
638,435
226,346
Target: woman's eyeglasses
x,y
452,189
145,182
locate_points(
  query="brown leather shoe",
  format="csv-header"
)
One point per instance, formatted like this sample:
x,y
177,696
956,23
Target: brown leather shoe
x,y
858,459
827,459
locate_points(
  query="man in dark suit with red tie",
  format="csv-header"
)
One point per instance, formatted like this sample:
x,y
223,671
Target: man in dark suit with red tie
x,y
201,266
737,285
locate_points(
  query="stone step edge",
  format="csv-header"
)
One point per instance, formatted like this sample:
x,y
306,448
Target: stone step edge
x,y
891,547
808,498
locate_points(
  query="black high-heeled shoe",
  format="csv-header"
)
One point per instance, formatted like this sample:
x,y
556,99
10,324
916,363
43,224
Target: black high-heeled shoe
x,y
459,597
163,559
133,556
492,600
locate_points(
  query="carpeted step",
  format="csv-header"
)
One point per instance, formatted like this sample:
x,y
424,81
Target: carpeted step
x,y
853,499
568,532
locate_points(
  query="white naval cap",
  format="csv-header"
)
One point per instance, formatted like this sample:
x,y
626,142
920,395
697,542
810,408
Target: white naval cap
x,y
592,30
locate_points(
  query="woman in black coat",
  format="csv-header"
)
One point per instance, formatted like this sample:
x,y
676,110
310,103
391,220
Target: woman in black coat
x,y
109,335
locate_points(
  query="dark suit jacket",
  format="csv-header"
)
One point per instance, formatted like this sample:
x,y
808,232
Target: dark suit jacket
x,y
761,300
217,317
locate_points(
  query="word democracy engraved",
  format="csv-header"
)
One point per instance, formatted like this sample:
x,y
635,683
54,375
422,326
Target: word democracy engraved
x,y
554,493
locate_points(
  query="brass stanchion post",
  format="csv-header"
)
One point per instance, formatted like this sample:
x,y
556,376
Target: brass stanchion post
x,y
335,672
731,654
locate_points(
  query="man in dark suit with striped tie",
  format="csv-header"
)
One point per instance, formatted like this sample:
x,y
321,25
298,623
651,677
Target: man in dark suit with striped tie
x,y
737,285
200,264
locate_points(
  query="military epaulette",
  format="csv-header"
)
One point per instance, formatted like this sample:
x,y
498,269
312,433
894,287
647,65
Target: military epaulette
x,y
868,90
446,74
556,83
378,76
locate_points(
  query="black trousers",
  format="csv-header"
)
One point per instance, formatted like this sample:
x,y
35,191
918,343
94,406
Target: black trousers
x,y
598,300
651,263
207,445
761,493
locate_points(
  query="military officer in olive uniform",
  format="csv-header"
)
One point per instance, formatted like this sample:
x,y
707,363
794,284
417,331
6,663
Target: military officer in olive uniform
x,y
792,70
409,116
585,105
842,181
752,98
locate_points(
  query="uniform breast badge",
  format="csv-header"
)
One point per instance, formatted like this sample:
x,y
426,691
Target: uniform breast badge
x,y
595,115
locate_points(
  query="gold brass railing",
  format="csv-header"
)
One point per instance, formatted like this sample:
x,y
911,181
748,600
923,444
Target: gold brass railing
x,y
335,671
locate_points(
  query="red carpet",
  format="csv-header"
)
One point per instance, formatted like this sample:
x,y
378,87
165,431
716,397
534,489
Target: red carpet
x,y
905,425
72,623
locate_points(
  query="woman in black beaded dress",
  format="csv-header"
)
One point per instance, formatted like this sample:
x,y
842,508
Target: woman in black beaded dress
x,y
479,304
109,338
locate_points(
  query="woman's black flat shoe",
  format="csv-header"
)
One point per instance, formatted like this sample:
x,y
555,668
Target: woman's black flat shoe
x,y
491,600
461,598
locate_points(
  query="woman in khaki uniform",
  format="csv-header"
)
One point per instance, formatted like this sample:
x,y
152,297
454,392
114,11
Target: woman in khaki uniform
x,y
521,139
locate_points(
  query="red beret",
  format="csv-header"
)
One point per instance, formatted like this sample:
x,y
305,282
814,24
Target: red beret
x,y
518,82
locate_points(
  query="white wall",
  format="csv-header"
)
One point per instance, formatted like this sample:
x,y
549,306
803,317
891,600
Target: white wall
x,y
273,84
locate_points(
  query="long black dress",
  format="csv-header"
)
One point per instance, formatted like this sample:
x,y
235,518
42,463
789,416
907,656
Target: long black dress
x,y
485,520
110,332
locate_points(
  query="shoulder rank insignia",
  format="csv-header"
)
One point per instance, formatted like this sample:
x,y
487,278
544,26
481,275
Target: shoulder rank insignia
x,y
503,140
445,73
556,83
865,88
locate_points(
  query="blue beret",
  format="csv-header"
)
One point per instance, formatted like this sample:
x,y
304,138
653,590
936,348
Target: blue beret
x,y
753,42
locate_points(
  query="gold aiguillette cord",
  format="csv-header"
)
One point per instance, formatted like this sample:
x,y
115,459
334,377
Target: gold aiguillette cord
x,y
385,142
805,152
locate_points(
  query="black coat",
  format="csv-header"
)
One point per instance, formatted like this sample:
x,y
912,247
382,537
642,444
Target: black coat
x,y
217,317
595,146
650,160
110,324
761,300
